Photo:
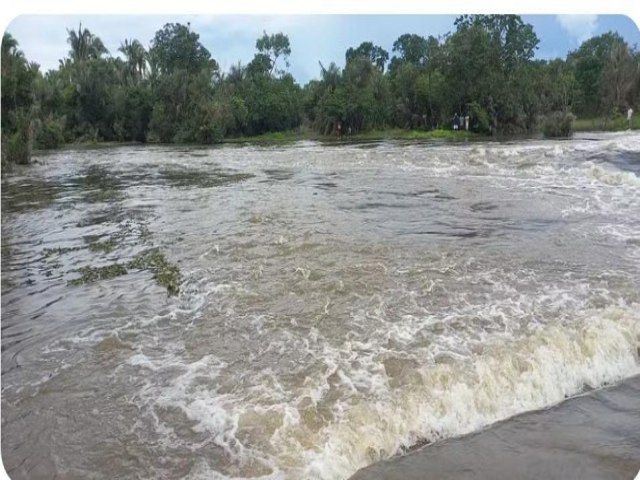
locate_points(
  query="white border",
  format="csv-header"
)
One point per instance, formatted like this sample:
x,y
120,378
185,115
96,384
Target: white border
x,y
12,9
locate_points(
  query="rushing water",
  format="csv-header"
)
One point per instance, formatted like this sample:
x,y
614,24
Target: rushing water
x,y
338,304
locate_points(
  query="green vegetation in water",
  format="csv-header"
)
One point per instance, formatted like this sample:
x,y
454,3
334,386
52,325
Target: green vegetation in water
x,y
93,274
165,274
184,177
103,247
558,124
99,185
30,195
106,195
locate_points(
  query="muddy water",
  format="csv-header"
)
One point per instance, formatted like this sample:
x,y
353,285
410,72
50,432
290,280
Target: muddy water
x,y
336,305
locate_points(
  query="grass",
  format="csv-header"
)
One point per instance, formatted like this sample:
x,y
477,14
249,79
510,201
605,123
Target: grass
x,y
373,135
276,137
615,124
402,134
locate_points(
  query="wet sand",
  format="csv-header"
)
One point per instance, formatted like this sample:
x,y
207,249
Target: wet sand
x,y
593,436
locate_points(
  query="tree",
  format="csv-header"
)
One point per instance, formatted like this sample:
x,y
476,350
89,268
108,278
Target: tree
x,y
411,48
18,102
605,72
175,47
515,39
619,76
375,54
136,58
84,45
273,47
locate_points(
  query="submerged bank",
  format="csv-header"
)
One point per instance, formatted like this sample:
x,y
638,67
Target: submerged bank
x,y
581,126
593,436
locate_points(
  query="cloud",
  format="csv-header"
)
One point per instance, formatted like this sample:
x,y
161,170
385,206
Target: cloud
x,y
579,27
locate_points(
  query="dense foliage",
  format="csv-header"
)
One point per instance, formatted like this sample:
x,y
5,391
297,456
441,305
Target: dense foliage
x,y
174,91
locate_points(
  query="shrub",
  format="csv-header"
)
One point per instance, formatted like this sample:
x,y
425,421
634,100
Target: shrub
x,y
479,118
50,134
558,124
15,149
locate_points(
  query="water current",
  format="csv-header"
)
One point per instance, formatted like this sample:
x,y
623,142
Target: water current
x,y
337,304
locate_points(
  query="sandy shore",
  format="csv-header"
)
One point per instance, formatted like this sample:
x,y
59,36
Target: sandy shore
x,y
593,436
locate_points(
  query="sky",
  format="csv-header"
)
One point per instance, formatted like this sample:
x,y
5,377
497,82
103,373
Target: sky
x,y
314,38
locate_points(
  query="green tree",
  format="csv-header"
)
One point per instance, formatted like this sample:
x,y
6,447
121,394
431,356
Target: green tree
x,y
605,73
411,48
84,45
182,81
18,103
273,47
175,47
375,54
136,59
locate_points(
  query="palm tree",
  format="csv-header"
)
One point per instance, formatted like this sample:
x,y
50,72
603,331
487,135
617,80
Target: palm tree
x,y
236,74
136,58
331,77
10,52
9,45
84,45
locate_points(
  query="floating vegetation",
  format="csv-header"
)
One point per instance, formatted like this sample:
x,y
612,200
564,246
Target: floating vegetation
x,y
103,247
93,274
98,184
165,274
182,177
107,195
28,195
96,176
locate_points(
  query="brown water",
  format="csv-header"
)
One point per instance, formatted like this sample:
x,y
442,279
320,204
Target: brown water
x,y
337,305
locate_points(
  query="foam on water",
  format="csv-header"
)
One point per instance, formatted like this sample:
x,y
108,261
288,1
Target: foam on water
x,y
388,410
453,399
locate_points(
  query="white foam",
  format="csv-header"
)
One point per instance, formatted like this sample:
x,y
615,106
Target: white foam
x,y
614,177
454,399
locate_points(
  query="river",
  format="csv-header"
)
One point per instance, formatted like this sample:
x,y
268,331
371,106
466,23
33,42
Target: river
x,y
337,304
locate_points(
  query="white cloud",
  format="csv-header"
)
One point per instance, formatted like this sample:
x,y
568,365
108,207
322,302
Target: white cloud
x,y
579,27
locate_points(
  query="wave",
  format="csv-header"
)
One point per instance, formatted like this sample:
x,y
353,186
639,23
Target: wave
x,y
267,435
456,398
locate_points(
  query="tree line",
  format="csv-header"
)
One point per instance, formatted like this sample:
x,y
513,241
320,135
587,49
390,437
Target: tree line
x,y
175,91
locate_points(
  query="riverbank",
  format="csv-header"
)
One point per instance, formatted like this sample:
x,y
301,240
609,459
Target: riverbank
x,y
581,125
373,135
592,436
618,124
